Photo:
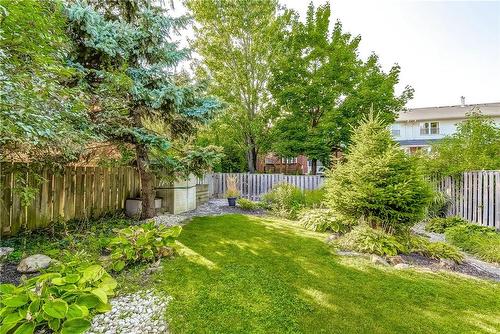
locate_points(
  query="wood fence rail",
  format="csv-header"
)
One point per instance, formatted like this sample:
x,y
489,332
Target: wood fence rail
x,y
474,196
76,192
253,186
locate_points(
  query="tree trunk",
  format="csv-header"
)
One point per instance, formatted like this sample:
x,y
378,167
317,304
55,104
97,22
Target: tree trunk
x,y
147,181
314,166
251,156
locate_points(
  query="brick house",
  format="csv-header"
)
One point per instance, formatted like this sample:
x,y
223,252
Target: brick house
x,y
271,163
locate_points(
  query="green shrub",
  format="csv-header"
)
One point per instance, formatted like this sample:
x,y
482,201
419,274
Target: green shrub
x,y
321,220
439,225
284,200
365,239
438,207
314,198
142,243
246,204
435,250
379,183
481,241
63,301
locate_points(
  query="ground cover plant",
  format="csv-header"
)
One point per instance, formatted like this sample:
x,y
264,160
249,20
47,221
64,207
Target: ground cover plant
x,y
142,243
63,300
321,220
439,225
247,204
241,274
482,241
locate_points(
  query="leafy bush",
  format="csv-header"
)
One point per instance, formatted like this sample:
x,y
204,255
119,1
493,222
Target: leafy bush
x,y
481,241
439,225
365,239
379,183
435,250
63,301
321,220
246,204
142,243
438,205
284,200
314,198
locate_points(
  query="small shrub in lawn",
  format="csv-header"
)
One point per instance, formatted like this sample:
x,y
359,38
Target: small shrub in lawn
x,y
365,239
63,301
379,183
482,241
314,198
284,200
435,250
142,243
321,220
246,204
439,225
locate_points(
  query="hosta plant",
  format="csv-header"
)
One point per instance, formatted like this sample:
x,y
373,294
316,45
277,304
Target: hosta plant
x,y
142,243
321,220
63,301
365,239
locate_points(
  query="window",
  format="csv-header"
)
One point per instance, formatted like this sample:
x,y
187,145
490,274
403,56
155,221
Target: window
x,y
429,128
396,132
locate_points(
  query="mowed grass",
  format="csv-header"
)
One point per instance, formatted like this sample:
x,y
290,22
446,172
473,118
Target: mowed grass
x,y
242,274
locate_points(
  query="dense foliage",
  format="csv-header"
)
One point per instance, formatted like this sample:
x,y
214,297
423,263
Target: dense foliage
x,y
246,204
365,239
284,200
322,220
42,116
379,183
63,301
143,243
322,87
474,146
440,224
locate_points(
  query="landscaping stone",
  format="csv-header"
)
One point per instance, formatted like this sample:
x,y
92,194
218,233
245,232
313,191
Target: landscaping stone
x,y
378,260
332,237
395,260
4,252
141,312
34,263
402,266
446,264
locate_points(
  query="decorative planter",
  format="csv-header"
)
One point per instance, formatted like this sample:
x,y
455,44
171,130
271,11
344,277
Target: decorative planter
x,y
231,201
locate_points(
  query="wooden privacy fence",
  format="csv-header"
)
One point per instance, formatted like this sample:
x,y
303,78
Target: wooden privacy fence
x,y
474,196
253,186
76,192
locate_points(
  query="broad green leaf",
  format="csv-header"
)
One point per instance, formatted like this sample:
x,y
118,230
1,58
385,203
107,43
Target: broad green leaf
x,y
56,308
15,301
7,288
87,300
58,281
76,311
101,294
12,318
108,284
92,273
75,326
34,306
54,324
72,278
148,254
6,327
103,308
26,328
119,265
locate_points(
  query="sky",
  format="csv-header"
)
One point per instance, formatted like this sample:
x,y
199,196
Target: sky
x,y
446,49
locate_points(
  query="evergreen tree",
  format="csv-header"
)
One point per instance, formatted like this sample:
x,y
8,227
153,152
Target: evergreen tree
x,y
127,58
379,183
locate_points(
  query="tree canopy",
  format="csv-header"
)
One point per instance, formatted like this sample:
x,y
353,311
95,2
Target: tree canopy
x,y
322,87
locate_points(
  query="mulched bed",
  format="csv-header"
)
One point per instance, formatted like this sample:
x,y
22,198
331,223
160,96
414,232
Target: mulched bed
x,y
464,267
9,274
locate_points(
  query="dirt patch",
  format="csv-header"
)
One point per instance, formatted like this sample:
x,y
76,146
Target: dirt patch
x,y
9,274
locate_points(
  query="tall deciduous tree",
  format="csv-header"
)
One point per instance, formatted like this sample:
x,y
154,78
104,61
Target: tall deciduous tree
x,y
127,57
323,87
233,38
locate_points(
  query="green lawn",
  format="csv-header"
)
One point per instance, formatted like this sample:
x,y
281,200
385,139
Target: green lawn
x,y
241,274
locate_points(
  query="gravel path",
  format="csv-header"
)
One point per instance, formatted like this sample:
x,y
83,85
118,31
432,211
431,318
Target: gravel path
x,y
141,312
476,264
214,207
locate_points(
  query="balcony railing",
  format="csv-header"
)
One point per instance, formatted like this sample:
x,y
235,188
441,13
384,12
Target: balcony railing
x,y
429,131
